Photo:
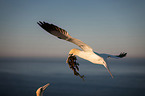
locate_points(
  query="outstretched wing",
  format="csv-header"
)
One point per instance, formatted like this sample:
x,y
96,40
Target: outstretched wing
x,y
62,34
121,55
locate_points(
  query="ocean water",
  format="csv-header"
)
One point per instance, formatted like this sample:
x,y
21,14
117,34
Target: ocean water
x,y
23,76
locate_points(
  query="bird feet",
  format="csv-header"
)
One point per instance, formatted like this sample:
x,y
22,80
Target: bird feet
x,y
71,60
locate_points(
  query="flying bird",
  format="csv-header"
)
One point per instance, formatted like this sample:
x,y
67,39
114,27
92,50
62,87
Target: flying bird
x,y
40,90
86,53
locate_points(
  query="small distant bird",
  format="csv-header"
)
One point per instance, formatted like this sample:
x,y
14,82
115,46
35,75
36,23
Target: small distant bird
x,y
40,90
87,52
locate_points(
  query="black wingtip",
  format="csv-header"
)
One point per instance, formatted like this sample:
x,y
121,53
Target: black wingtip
x,y
42,23
39,23
121,55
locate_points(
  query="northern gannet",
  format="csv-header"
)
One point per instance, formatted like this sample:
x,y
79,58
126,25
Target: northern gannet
x,y
40,90
87,52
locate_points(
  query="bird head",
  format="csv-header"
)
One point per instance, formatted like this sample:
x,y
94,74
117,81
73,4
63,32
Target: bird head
x,y
40,90
102,62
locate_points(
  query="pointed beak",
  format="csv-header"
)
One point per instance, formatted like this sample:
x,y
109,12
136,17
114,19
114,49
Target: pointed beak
x,y
45,86
40,90
108,70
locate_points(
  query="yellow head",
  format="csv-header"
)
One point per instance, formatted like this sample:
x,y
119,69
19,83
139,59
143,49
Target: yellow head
x,y
74,51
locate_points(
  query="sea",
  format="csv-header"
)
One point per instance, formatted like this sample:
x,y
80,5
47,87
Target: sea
x,y
23,76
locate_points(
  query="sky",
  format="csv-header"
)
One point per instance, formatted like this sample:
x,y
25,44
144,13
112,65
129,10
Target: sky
x,y
108,26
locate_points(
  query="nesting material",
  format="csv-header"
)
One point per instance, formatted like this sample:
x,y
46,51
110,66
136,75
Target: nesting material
x,y
74,65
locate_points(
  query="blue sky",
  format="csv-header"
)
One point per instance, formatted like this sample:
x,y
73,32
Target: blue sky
x,y
108,26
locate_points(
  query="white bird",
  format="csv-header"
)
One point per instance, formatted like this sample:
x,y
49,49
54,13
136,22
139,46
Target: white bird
x,y
40,90
87,52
